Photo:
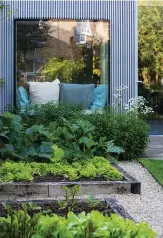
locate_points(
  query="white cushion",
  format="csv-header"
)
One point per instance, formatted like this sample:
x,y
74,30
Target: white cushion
x,y
44,92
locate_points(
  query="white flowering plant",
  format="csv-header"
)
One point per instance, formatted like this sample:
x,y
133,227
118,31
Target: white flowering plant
x,y
118,97
136,105
139,105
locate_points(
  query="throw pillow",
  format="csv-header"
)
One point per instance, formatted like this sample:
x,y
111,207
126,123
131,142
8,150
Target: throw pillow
x,y
22,98
79,94
99,97
44,92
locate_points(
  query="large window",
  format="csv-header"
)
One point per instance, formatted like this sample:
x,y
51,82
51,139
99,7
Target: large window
x,y
71,50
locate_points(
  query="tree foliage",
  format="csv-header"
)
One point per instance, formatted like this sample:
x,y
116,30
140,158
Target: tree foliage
x,y
150,30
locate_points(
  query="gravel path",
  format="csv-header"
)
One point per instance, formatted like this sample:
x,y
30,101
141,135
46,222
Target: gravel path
x,y
149,206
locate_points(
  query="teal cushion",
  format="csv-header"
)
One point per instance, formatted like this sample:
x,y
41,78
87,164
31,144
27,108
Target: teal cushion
x,y
78,94
22,98
99,97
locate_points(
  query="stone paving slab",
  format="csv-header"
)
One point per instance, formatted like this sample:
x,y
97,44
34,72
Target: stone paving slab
x,y
155,148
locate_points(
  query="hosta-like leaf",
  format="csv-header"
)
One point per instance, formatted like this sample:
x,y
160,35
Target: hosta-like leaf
x,y
8,150
58,154
32,151
112,148
23,153
89,142
85,126
45,150
102,142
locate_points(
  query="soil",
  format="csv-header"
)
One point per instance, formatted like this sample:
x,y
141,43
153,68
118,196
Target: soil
x,y
53,207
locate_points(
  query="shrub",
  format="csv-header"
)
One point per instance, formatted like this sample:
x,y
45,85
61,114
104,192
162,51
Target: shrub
x,y
50,112
126,130
97,166
20,224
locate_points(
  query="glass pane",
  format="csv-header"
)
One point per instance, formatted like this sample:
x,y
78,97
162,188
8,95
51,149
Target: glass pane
x,y
74,51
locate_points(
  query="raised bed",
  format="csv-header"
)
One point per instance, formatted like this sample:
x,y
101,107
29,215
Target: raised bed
x,y
106,206
35,190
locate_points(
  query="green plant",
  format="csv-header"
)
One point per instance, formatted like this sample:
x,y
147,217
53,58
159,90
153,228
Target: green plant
x,y
150,43
92,201
19,224
49,114
126,130
23,143
2,81
2,6
25,171
70,201
93,224
155,167
79,141
139,106
62,68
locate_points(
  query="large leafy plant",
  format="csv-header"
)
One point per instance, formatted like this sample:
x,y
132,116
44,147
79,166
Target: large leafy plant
x,y
19,224
79,141
23,143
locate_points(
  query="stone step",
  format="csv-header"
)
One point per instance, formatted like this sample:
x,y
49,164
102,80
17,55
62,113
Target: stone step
x,y
155,147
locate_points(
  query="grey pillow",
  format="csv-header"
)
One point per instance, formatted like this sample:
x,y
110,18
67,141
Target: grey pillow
x,y
79,94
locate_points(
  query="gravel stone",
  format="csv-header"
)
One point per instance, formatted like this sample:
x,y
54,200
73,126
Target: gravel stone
x,y
147,207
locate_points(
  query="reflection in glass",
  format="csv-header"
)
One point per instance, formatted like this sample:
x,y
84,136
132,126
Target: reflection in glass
x,y
73,51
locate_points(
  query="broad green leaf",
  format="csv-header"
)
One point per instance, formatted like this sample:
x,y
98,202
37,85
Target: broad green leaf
x,y
112,148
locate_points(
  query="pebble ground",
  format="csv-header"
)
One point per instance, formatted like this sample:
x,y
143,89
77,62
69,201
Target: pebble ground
x,y
147,207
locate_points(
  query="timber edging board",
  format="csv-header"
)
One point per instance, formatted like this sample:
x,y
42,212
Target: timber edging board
x,y
33,190
112,203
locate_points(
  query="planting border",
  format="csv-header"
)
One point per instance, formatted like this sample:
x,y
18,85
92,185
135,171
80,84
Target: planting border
x,y
33,190
112,203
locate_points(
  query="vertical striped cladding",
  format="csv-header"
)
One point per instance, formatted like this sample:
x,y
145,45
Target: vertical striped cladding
x,y
123,46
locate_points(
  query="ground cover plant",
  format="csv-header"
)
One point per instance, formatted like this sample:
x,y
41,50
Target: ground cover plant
x,y
97,167
20,224
155,167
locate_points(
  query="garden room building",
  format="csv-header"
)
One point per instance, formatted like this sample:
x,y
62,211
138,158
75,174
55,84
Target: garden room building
x,y
80,45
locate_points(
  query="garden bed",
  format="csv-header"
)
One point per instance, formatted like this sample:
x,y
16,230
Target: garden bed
x,y
35,190
102,218
105,206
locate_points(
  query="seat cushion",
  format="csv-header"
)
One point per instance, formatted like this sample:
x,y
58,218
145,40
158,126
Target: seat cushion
x,y
22,98
44,92
99,97
78,94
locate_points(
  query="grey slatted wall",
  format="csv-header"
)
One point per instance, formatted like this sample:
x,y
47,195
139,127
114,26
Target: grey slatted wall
x,y
123,49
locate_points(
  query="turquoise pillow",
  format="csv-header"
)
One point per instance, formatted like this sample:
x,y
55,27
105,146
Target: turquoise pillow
x,y
99,97
77,94
22,98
